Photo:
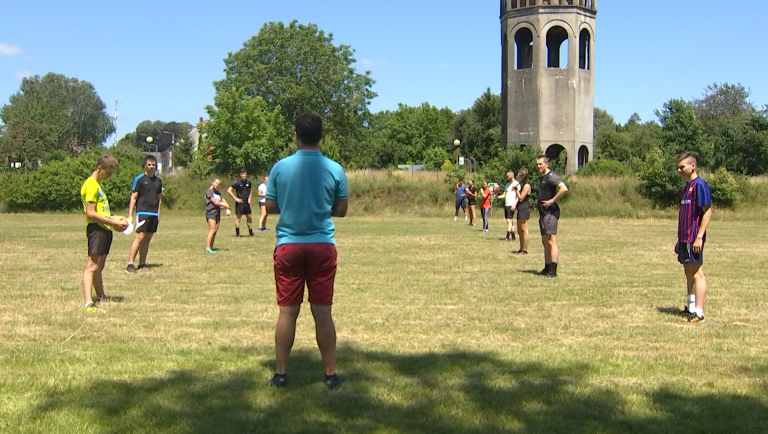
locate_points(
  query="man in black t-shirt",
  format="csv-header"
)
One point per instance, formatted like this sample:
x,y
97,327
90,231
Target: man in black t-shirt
x,y
551,189
472,201
145,199
240,190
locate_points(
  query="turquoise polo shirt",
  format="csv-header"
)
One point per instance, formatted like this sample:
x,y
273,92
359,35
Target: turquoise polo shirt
x,y
305,186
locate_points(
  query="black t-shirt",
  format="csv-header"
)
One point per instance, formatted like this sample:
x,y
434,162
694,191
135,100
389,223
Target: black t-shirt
x,y
472,200
242,189
149,189
548,190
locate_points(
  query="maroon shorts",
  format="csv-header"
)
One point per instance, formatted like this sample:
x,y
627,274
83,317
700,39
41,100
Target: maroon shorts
x,y
297,264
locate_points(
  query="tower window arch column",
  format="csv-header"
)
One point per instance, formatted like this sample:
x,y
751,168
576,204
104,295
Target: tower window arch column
x,y
524,48
556,36
585,44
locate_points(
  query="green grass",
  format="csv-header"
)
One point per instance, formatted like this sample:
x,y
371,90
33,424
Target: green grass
x,y
440,330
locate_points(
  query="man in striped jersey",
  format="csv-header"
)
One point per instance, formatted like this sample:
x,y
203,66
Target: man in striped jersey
x,y
695,214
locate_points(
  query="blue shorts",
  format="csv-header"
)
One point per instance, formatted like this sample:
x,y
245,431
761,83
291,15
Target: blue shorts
x,y
461,202
686,255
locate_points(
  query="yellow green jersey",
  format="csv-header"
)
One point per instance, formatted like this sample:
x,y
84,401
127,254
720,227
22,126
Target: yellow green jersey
x,y
92,192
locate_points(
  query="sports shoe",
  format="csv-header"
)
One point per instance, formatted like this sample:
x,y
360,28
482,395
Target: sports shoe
x,y
333,381
684,312
141,266
520,252
693,317
90,307
211,251
278,381
261,229
130,269
544,272
513,236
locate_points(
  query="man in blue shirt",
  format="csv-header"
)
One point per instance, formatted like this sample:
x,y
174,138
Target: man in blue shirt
x,y
461,199
695,213
307,190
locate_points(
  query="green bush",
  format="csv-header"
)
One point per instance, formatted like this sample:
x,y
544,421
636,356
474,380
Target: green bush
x,y
660,181
447,165
724,188
56,186
605,167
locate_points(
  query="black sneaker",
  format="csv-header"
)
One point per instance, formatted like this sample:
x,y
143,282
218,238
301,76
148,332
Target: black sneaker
x,y
141,266
130,269
278,381
520,252
513,236
251,234
333,381
544,272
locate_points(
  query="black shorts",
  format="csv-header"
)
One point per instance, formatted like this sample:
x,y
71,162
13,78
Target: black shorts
x,y
146,223
509,212
686,255
523,211
243,208
99,239
262,204
548,224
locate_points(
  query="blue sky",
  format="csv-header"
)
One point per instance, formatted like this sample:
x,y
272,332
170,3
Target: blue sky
x,y
161,57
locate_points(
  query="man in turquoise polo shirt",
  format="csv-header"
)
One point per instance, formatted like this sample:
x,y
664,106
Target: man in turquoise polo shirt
x,y
307,189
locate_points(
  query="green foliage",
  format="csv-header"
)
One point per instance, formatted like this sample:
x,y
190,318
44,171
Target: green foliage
x,y
660,180
243,132
724,188
446,166
435,158
605,167
741,144
479,128
51,113
296,68
682,132
56,186
453,175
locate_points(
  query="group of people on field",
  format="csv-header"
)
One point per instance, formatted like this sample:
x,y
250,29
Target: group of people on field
x,y
305,252
242,193
516,197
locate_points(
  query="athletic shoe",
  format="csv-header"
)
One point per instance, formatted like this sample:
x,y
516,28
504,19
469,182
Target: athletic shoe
x,y
693,317
252,234
90,307
520,252
544,272
504,239
513,236
141,266
130,269
333,382
684,312
261,229
278,381
237,236
210,251
485,231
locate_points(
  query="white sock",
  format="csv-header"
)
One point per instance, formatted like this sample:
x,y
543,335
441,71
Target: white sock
x,y
699,312
691,302
455,218
466,218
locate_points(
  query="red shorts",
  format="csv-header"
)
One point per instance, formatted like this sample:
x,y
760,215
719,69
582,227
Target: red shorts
x,y
313,264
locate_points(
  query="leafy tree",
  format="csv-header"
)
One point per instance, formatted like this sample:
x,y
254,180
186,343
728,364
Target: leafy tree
x,y
681,132
435,157
479,128
242,132
51,113
741,146
296,68
723,102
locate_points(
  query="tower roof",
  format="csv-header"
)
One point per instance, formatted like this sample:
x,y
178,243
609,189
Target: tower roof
x,y
507,5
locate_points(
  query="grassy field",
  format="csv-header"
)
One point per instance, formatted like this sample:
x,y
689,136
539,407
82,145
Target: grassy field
x,y
440,330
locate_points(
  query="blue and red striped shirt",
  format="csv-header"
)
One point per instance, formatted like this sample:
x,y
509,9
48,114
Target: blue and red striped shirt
x,y
695,197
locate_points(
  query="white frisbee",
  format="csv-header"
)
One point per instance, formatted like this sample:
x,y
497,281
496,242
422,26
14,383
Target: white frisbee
x,y
129,229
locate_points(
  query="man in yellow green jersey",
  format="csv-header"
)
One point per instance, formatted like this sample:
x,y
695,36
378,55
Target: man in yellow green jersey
x,y
99,229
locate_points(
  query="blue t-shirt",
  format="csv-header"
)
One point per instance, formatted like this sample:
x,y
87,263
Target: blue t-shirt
x,y
461,192
305,186
696,196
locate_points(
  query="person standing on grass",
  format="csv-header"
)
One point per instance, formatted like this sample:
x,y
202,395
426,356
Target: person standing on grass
x,y
485,204
262,204
695,214
523,210
145,199
98,230
472,201
551,189
307,189
213,205
242,186
510,203
461,199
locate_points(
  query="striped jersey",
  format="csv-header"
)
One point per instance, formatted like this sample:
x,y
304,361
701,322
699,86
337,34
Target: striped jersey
x,y
696,196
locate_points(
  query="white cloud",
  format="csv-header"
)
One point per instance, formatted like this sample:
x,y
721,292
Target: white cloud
x,y
10,50
371,64
24,73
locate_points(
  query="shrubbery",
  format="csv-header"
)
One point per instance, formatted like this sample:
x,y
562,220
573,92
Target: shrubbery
x,y
55,186
605,167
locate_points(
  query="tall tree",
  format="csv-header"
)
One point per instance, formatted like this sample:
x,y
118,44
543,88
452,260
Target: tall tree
x,y
479,128
681,131
297,68
723,102
51,113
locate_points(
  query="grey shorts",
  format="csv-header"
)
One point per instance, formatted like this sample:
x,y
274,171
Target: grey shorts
x,y
548,224
213,215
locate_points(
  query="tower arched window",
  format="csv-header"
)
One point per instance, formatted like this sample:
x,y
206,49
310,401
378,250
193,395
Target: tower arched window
x,y
524,49
557,47
585,39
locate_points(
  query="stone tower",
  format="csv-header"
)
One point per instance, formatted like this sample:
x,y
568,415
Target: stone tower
x,y
548,76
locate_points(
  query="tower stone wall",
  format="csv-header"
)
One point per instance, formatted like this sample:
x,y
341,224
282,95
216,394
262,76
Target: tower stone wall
x,y
548,92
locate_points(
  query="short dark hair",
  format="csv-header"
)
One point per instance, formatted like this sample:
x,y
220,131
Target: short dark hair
x,y
543,157
309,128
243,170
107,161
686,156
150,158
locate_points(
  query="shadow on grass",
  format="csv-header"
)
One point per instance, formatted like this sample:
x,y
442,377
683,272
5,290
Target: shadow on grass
x,y
670,310
151,266
385,392
113,299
